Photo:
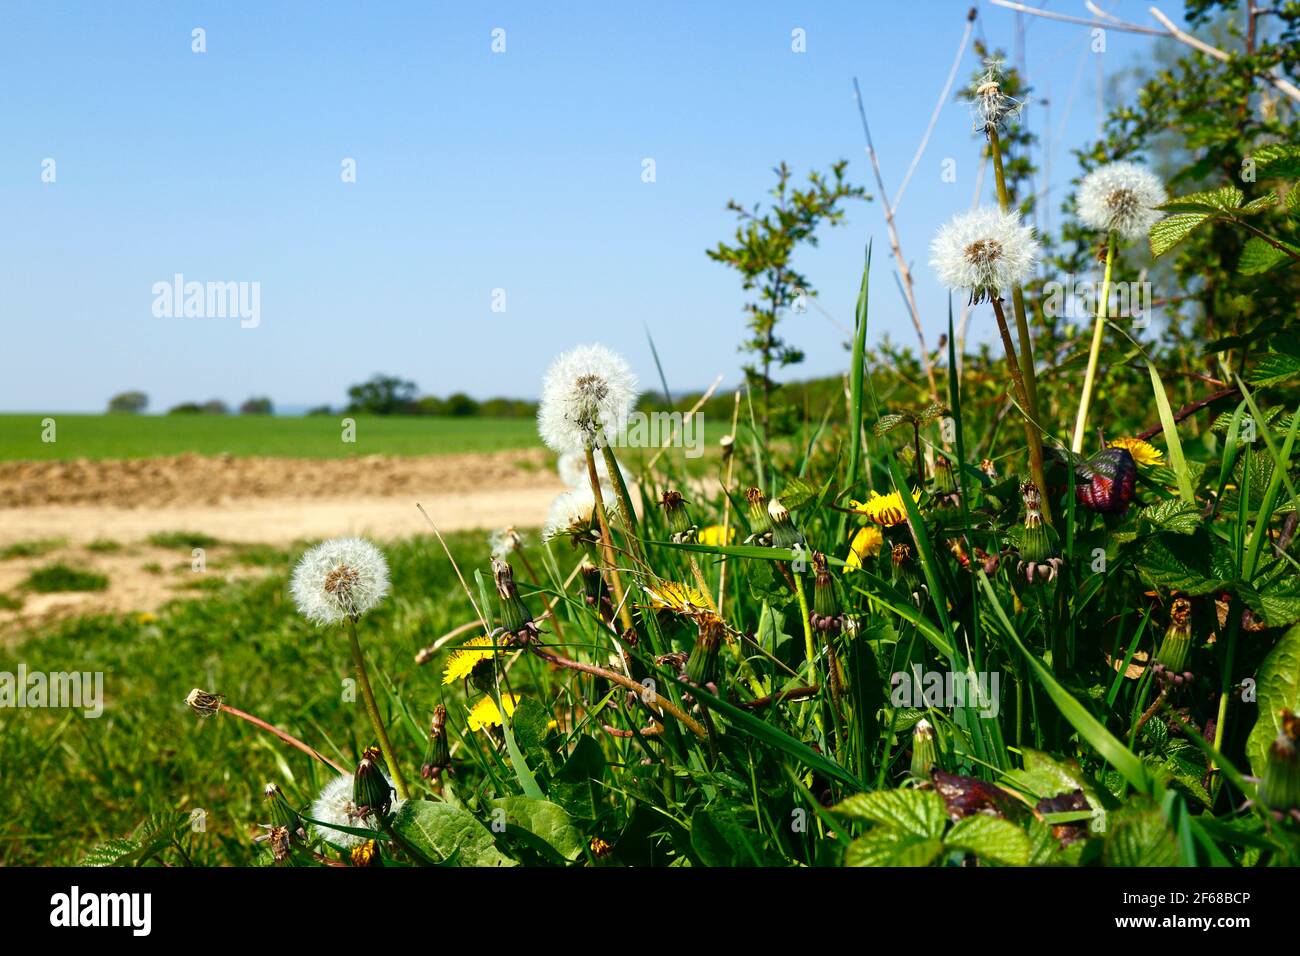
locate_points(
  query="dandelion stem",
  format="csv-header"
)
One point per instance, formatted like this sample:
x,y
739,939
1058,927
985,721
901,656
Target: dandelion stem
x,y
607,543
372,708
626,514
1098,330
1029,377
623,681
287,738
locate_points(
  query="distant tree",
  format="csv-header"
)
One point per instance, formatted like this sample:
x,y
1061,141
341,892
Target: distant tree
x,y
320,410
186,408
763,254
430,405
215,406
382,395
128,403
256,406
460,404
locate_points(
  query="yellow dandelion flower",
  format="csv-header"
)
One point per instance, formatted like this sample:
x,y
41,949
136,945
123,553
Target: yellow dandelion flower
x,y
1143,453
885,510
679,598
866,544
712,535
461,662
485,714
364,854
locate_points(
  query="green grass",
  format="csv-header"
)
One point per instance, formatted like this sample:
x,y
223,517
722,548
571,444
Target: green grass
x,y
61,577
147,436
183,540
103,546
147,753
31,549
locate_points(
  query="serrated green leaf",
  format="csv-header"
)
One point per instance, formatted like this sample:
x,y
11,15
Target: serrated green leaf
x,y
1266,201
1278,159
1139,837
720,840
918,812
888,423
1171,230
1224,199
1179,561
1273,369
1173,515
990,838
1259,256
1277,687
797,493
111,852
889,846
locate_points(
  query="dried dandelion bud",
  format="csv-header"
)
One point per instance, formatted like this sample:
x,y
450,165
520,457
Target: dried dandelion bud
x,y
437,755
202,703
1039,557
282,815
758,516
515,617
825,616
1171,658
702,665
784,533
677,517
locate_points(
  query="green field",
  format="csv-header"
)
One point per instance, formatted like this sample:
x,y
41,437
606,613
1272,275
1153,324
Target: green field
x,y
148,436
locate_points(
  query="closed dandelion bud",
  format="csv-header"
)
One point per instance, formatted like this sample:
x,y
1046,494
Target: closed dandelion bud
x,y
758,519
515,617
924,754
1039,557
1171,657
702,665
676,516
371,791
945,482
592,584
437,755
989,469
1280,786
282,815
825,616
784,533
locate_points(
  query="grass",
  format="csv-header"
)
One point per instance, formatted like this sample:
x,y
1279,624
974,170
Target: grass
x,y
182,540
62,577
147,436
31,549
103,546
148,754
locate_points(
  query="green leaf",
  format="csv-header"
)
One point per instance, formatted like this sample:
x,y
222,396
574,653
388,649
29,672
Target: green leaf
x,y
1171,230
1259,256
1179,561
1172,515
888,423
572,786
719,840
1170,428
439,830
1266,201
1091,729
797,493
1273,369
529,724
544,820
1277,687
918,812
1278,159
116,852
889,846
1224,199
991,839
1139,837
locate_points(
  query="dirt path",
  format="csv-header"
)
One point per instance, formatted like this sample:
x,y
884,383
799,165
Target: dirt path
x,y
50,512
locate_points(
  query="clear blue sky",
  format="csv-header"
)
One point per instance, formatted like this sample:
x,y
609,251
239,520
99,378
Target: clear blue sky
x,y
476,171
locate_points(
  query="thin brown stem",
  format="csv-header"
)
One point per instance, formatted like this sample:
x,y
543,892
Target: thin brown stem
x,y
289,739
607,544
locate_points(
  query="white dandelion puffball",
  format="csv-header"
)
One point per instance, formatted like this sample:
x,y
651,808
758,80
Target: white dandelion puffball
x,y
985,250
1121,197
334,805
339,579
571,513
588,391
572,468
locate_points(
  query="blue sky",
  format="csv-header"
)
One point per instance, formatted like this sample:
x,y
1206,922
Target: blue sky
x,y
475,171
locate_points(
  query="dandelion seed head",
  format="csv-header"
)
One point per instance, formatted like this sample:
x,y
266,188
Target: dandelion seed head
x,y
586,397
335,806
339,579
1121,197
571,513
992,107
504,542
986,251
